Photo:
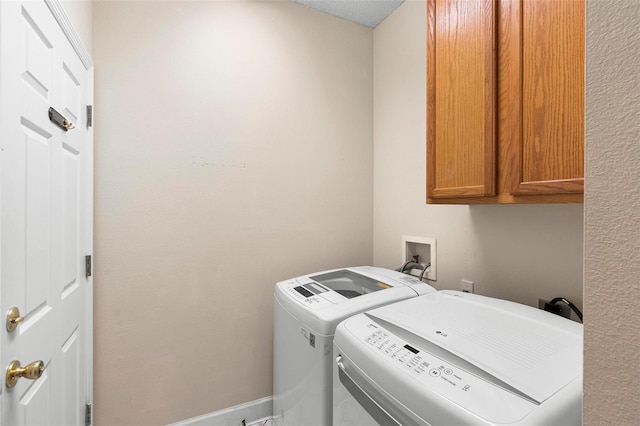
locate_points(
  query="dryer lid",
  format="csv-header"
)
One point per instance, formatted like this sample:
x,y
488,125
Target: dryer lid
x,y
532,351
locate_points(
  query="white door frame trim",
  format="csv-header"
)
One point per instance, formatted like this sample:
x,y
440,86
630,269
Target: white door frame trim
x,y
78,46
72,35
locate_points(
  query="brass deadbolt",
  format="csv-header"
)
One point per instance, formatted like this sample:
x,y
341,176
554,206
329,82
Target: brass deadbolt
x,y
13,319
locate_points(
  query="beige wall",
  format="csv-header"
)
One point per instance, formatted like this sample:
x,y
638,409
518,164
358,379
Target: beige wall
x,y
612,218
521,253
164,250
233,150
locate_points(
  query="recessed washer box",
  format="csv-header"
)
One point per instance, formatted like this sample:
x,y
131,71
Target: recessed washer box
x,y
425,248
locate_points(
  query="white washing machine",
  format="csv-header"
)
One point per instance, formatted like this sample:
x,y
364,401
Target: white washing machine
x,y
307,310
452,358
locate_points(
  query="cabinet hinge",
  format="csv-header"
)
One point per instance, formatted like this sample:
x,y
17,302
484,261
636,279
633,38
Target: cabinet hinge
x,y
89,115
87,266
87,415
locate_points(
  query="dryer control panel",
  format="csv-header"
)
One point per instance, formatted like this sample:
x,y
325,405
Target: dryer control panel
x,y
421,364
438,374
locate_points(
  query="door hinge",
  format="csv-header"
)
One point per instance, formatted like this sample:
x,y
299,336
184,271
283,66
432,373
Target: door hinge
x,y
87,415
87,266
89,115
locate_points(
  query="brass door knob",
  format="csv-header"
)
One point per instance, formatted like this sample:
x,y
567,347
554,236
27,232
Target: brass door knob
x,y
31,371
13,319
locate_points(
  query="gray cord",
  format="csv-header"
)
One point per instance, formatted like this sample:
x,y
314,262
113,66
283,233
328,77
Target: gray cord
x,y
409,265
404,265
424,270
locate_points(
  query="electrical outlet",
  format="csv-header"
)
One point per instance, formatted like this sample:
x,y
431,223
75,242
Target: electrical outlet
x,y
466,286
562,309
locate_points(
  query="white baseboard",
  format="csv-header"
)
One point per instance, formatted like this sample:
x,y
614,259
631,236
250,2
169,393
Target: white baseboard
x,y
233,416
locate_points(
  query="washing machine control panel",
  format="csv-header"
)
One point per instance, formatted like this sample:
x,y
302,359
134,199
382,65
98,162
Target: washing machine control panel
x,y
436,373
309,293
339,287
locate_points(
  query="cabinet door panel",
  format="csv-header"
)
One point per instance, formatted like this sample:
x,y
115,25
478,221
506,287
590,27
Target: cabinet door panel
x,y
461,99
552,97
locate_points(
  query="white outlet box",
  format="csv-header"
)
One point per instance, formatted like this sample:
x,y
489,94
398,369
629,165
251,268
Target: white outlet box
x,y
423,247
466,286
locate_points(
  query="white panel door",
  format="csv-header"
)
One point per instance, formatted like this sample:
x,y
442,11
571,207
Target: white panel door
x,y
45,220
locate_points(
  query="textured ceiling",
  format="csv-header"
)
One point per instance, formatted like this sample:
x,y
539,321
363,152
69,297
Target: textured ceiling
x,y
365,12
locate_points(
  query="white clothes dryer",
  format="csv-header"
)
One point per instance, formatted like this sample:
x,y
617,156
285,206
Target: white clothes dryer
x,y
452,358
307,310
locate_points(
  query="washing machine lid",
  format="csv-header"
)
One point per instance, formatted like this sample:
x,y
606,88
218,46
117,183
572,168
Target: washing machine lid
x,y
526,351
347,283
321,300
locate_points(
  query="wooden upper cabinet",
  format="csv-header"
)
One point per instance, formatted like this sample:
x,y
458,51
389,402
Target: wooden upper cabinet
x,y
461,105
505,101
